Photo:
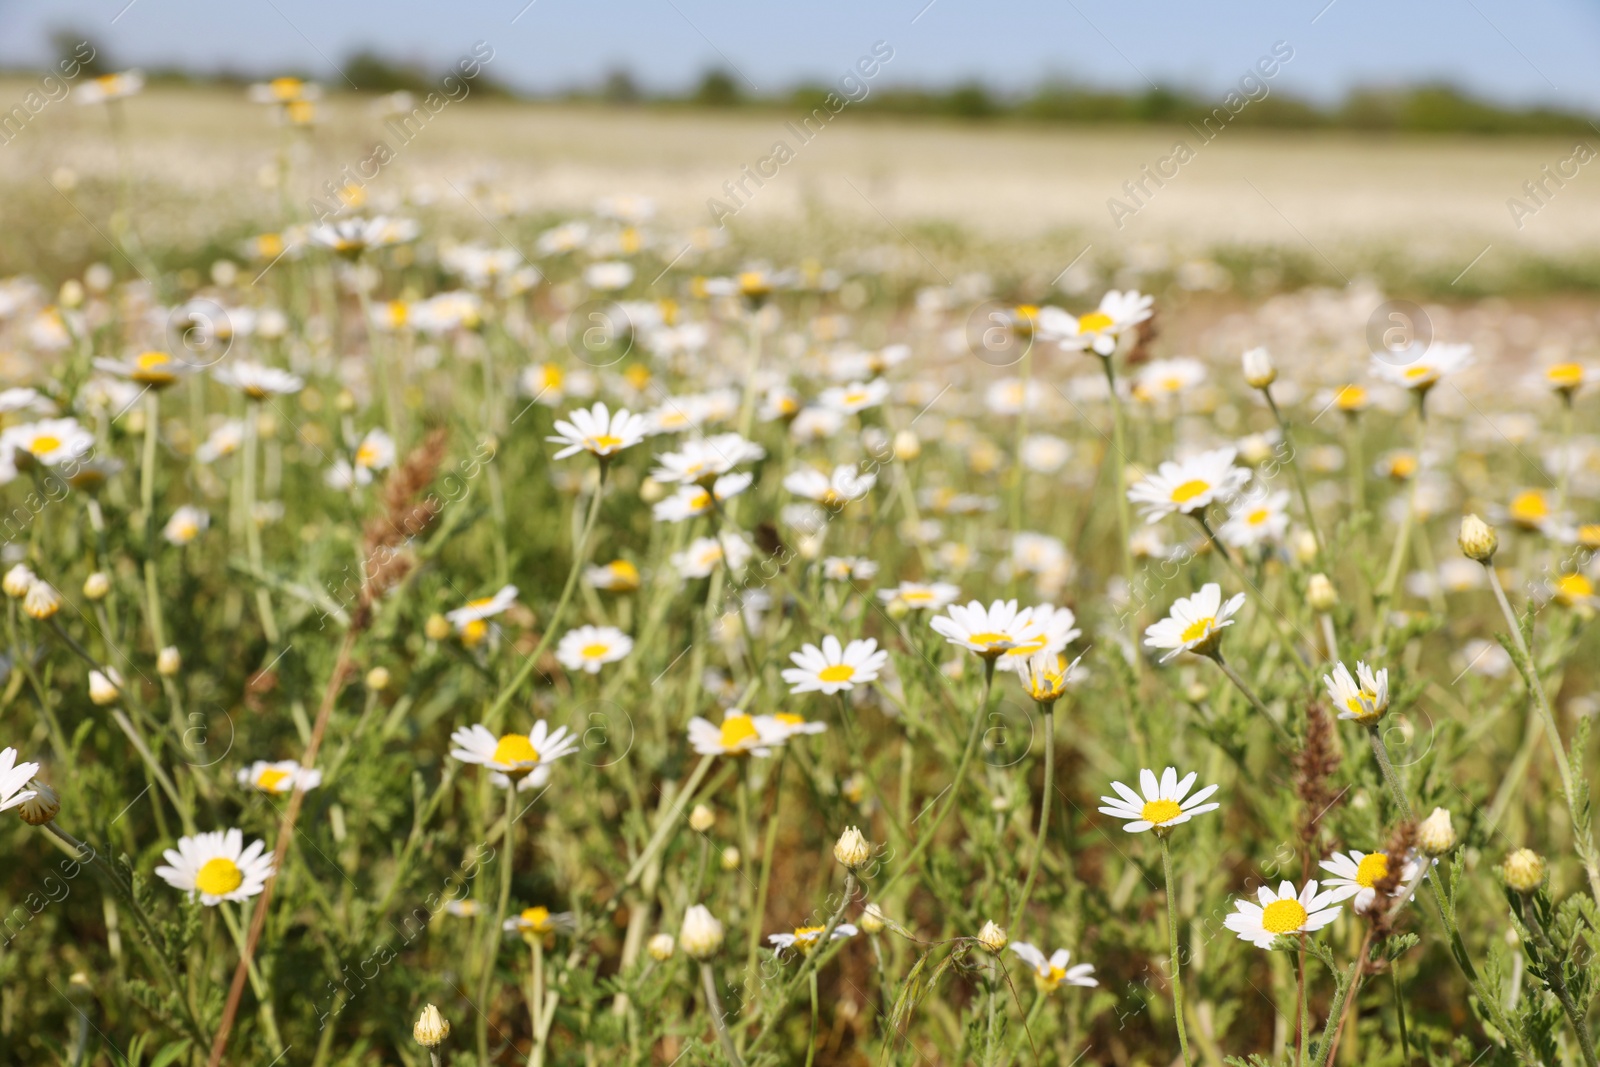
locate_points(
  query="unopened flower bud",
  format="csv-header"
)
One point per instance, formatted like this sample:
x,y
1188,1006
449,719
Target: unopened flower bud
x,y
992,937
42,601
906,446
852,849
104,687
1435,834
872,919
378,679
437,628
40,808
18,581
1320,594
661,947
1477,539
1258,369
651,491
97,585
70,294
701,819
730,858
1304,545
701,933
1523,870
169,661
431,1029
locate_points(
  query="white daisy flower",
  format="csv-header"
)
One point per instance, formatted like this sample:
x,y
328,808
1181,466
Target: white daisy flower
x,y
990,631
608,277
834,667
791,725
738,734
376,452
703,459
1050,629
589,647
50,442
523,759
1165,803
921,596
224,441
691,501
1264,517
483,608
1419,369
618,576
597,431
258,381
1364,697
1049,972
847,483
1353,874
805,938
14,777
1190,484
855,397
539,921
1282,912
351,237
1099,330
108,87
186,524
816,424
1044,453
24,398
217,866
849,569
280,777
1167,377
1195,623
706,554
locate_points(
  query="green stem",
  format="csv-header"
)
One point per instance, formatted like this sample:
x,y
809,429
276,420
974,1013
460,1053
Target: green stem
x,y
1172,942
252,530
1299,476
492,941
659,838
1557,980
1048,796
708,981
764,882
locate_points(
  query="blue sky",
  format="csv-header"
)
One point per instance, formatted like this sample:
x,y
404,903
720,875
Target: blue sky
x,y
1516,51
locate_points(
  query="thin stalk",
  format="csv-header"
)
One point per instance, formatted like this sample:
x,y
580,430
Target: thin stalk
x,y
147,504
1305,1008
1249,694
1049,711
1402,540
764,881
1172,942
1294,469
708,982
664,828
492,941
579,556
1553,965
1124,523
252,530
1347,988
811,1042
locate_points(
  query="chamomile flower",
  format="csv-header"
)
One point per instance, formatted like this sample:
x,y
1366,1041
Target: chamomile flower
x,y
855,397
376,452
921,596
156,370
692,501
834,667
1166,803
14,778
186,524
223,441
1189,484
539,921
705,554
49,442
1049,629
1282,912
598,431
523,759
1353,875
1566,378
618,576
1045,675
217,866
351,237
1050,971
1099,330
739,733
704,459
990,631
1364,697
1262,518
258,381
845,484
1194,624
1420,369
849,569
482,609
109,87
805,938
588,648
280,777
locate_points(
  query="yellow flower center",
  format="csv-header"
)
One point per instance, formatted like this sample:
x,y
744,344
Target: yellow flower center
x,y
841,672
271,778
151,360
514,749
536,920
700,501
594,651
1049,978
1530,507
474,631
1197,629
989,639
789,719
1589,535
1160,811
806,936
738,731
1565,375
855,398
1283,917
1189,490
1371,869
366,456
269,246
1351,398
916,596
1258,516
603,442
1421,375
637,375
1573,587
1094,322
44,443
219,877
285,88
